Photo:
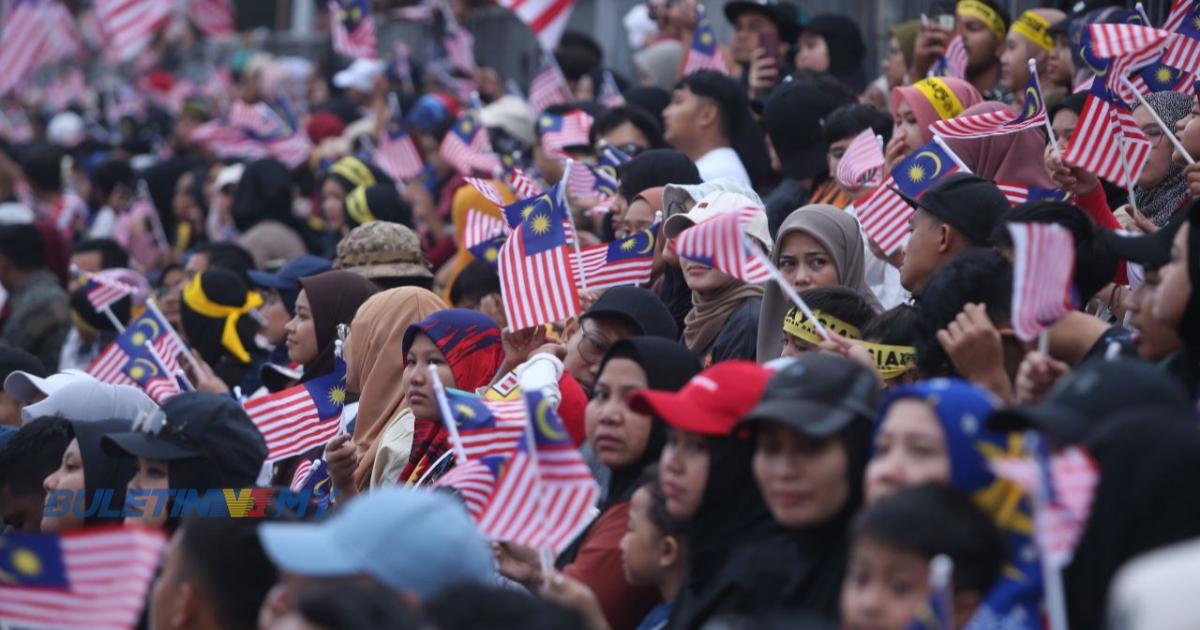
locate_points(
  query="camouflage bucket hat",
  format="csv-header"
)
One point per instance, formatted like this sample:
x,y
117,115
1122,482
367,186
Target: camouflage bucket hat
x,y
381,249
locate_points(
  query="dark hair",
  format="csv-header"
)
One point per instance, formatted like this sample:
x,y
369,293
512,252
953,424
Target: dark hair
x,y
843,303
934,519
474,607
355,605
32,453
578,54
850,120
42,165
112,255
161,278
659,515
632,114
22,245
109,174
224,558
895,326
229,256
723,91
475,282
975,275
1094,262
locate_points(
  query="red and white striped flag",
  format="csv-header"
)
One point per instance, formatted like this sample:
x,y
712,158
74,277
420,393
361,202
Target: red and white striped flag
x,y
862,163
93,578
1032,114
1043,268
396,154
1110,41
546,493
300,475
559,132
487,428
130,25
720,243
628,260
353,28
488,189
1183,49
467,147
481,228
25,41
214,18
301,417
546,18
104,292
705,52
610,93
474,481
536,267
523,185
549,86
460,47
1107,140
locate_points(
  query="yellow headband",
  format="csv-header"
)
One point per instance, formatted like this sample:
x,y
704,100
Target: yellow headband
x,y
797,325
984,13
354,170
941,97
195,299
356,206
892,361
1035,28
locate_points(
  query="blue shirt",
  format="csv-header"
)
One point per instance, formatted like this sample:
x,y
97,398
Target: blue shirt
x,y
657,618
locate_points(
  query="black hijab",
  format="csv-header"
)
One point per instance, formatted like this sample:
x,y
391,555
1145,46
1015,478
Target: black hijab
x,y
333,298
264,193
204,334
101,472
654,168
381,202
844,41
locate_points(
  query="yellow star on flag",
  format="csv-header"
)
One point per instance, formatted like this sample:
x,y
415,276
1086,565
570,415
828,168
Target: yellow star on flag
x,y
916,173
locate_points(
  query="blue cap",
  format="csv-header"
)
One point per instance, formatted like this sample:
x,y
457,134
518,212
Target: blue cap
x,y
415,541
6,433
287,279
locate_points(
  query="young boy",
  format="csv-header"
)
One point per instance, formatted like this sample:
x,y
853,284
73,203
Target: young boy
x,y
887,578
652,548
839,309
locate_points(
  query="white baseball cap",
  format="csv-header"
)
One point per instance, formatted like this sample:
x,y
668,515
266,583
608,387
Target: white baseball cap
x,y
23,387
359,75
91,400
717,203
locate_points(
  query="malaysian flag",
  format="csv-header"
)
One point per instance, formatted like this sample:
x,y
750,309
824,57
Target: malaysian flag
x,y
130,25
884,214
145,355
396,154
1159,77
1032,114
214,18
561,132
484,236
953,62
474,481
353,28
545,494
719,243
522,184
549,86
1043,267
537,279
546,18
313,475
1018,194
467,147
253,132
301,417
93,578
705,53
611,157
1183,49
488,189
459,45
25,41
937,613
610,92
585,180
1110,41
1107,140
66,89
486,428
862,162
104,292
628,260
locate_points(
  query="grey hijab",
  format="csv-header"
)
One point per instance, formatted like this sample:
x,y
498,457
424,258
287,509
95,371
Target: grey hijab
x,y
1162,201
839,234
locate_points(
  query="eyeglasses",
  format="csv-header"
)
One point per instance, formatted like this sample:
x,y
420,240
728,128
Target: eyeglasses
x,y
592,346
1154,134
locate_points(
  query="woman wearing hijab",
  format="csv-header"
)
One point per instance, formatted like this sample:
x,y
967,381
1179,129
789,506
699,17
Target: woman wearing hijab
x,y
915,107
933,431
818,246
86,469
216,318
1176,303
373,370
380,202
325,301
625,442
1006,159
465,346
345,176
262,213
833,43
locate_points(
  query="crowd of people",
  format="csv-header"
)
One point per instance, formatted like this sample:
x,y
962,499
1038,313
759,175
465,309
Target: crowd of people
x,y
759,464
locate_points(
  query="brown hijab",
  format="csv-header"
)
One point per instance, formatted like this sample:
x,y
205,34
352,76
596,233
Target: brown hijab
x,y
376,363
1014,158
333,298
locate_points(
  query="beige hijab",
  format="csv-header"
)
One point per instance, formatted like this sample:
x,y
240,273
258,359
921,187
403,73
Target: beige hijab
x,y
839,234
376,363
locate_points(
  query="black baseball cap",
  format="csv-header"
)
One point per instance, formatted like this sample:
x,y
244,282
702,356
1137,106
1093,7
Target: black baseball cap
x,y
639,308
1149,250
196,425
785,15
1080,402
818,395
968,203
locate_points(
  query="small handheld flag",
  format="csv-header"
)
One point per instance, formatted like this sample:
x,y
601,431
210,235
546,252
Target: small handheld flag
x,y
301,417
1043,267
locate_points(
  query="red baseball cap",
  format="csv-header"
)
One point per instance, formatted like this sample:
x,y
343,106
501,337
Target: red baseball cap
x,y
712,402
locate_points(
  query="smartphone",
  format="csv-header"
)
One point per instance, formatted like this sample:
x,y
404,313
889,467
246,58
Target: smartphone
x,y
770,43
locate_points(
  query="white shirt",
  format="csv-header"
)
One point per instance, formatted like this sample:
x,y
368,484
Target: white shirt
x,y
722,162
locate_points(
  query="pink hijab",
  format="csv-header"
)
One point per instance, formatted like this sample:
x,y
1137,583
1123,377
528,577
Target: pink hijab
x,y
924,110
1014,158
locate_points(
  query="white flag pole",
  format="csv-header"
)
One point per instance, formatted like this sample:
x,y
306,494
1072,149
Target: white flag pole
x,y
460,453
545,554
1042,102
1170,133
562,194
1056,608
941,142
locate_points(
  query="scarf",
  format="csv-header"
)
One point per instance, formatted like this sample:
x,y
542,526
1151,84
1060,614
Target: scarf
x,y
333,298
470,342
374,365
709,313
1160,202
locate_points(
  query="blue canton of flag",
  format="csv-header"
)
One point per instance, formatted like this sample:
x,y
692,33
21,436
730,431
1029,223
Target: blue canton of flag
x,y
1048,194
937,611
320,483
1160,77
32,560
612,156
352,12
918,172
489,251
640,245
1084,51
542,229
